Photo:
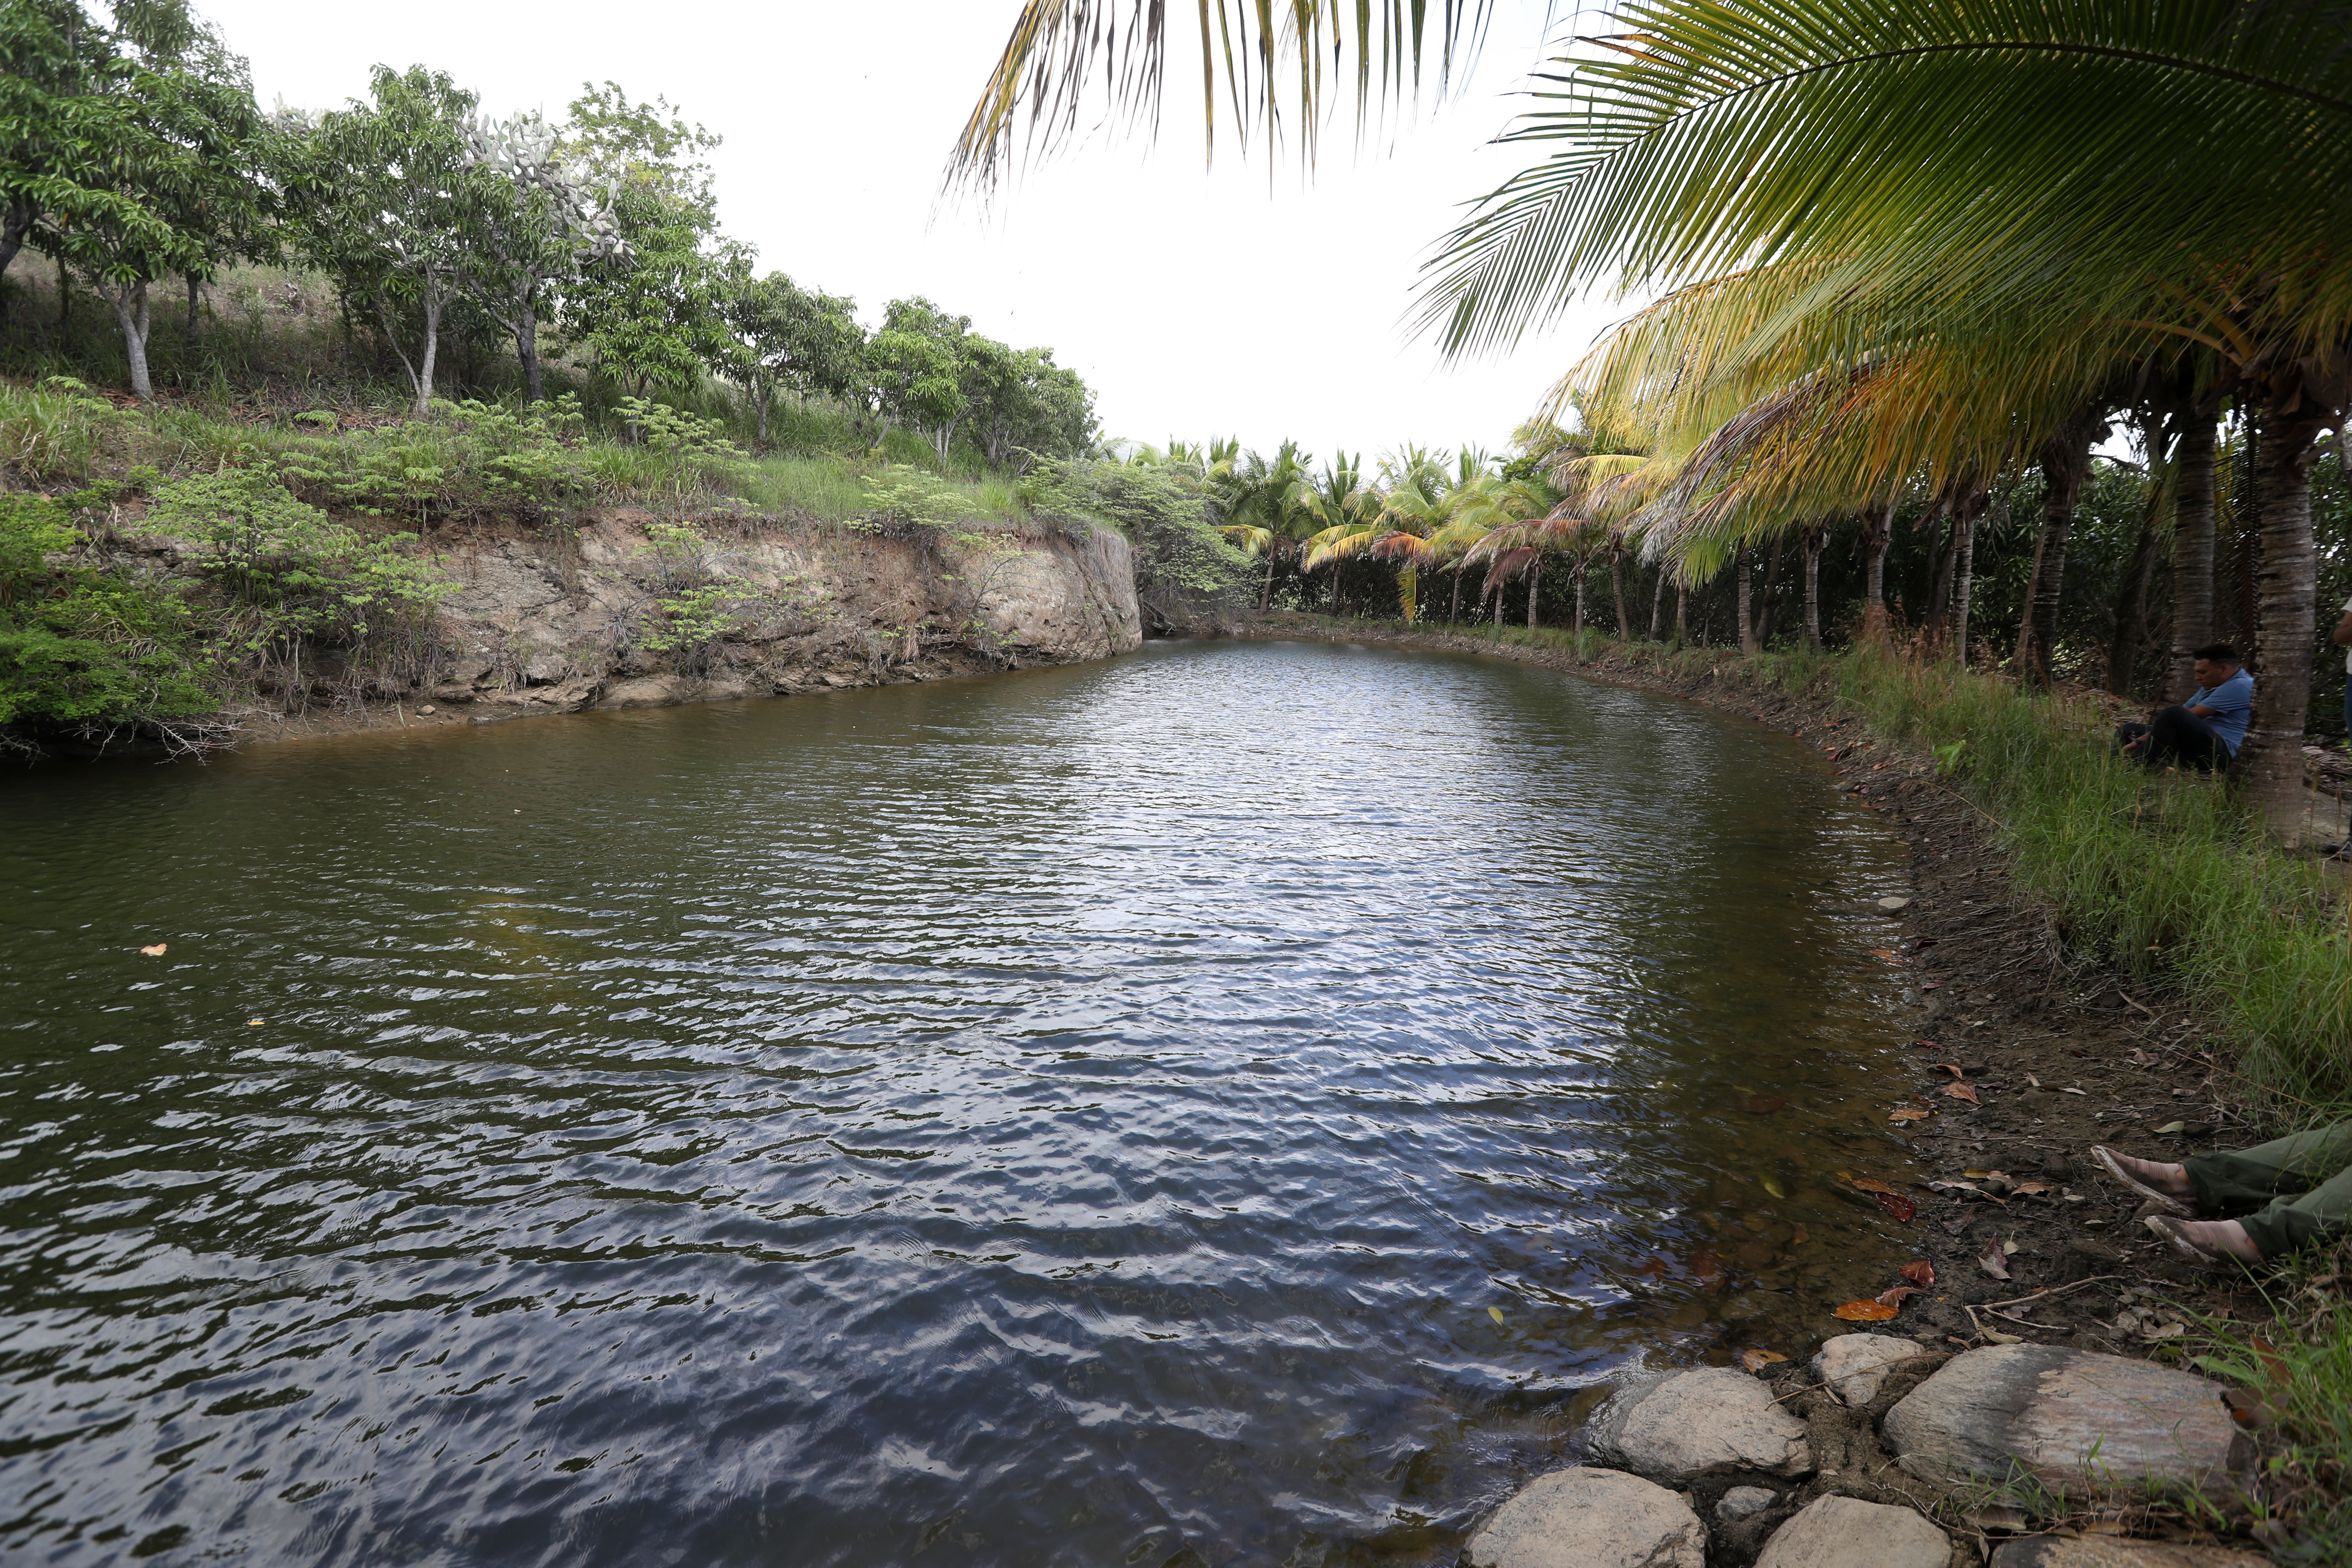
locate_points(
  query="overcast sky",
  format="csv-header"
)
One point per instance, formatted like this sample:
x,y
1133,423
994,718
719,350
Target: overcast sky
x,y
1194,301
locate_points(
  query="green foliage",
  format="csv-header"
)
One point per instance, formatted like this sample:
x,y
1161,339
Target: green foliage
x,y
79,648
302,575
469,459
2295,1371
910,498
1182,562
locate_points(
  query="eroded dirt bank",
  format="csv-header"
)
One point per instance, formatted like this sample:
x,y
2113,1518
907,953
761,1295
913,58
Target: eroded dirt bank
x,y
542,621
2056,1053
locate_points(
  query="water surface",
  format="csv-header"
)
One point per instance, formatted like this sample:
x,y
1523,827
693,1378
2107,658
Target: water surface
x,y
1218,1106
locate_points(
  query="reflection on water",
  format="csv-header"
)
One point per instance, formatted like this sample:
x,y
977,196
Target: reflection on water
x,y
1225,1101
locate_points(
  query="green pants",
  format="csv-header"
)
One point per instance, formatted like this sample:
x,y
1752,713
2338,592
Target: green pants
x,y
2288,1193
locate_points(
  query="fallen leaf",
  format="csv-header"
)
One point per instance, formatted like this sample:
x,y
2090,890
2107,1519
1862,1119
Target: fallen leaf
x,y
1772,1186
1929,984
2030,1189
1907,1113
2268,1354
1962,1092
157,951
1495,1313
2172,1127
253,1023
1919,1273
1707,1270
1901,1208
1756,1360
1895,1295
2084,1092
2009,1246
1994,1336
1993,1260
2166,1331
1865,1312
1764,1104
1973,1173
1952,1067
1869,1184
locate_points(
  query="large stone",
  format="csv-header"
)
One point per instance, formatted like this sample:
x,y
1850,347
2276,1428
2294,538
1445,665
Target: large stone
x,y
1853,1366
2069,1418
1590,1519
2108,1551
1682,1425
1846,1532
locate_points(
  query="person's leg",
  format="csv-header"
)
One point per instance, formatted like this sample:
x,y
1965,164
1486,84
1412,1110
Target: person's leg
x,y
2289,1224
2128,733
2248,1178
2176,735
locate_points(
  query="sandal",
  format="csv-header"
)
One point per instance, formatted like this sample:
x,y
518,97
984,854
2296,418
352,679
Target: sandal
x,y
2115,1167
2168,1229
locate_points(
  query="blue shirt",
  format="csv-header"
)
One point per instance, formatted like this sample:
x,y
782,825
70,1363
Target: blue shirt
x,y
2232,702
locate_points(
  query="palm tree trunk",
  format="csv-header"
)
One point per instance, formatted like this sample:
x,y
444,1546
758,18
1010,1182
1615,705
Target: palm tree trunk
x,y
1946,554
1877,532
1764,604
1658,604
2065,464
1617,589
2192,550
1746,623
1682,612
1815,538
2272,759
1580,602
1964,579
1453,611
1535,586
2131,597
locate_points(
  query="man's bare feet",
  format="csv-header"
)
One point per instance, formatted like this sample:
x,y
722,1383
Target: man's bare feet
x,y
2168,1184
2206,1240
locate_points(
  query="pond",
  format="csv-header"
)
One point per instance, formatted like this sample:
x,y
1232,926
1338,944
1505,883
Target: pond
x,y
1223,1105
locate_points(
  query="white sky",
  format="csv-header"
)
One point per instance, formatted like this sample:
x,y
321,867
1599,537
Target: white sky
x,y
1194,302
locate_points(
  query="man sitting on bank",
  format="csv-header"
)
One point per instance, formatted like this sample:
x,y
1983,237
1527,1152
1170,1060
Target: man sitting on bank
x,y
2204,731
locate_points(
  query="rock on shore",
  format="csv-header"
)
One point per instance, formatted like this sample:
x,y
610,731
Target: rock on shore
x,y
1846,1532
1680,1426
1590,1519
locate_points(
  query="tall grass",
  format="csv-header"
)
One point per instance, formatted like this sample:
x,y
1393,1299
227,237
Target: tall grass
x,y
2168,876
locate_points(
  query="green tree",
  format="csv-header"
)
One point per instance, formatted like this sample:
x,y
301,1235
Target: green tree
x,y
55,67
784,335
660,320
389,203
171,181
915,370
539,218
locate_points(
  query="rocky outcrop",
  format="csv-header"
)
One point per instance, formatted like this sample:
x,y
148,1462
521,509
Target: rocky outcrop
x,y
1846,1532
1590,1519
1684,1424
2069,1418
616,616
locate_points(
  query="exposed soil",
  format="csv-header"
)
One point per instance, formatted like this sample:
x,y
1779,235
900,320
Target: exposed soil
x,y
2058,1051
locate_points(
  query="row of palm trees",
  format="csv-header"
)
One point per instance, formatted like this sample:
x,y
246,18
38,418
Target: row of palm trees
x,y
1894,247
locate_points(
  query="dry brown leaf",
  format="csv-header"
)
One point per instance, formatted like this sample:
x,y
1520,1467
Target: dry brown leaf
x,y
1908,1113
1756,1360
157,951
1895,1295
1921,1272
1869,1184
1962,1092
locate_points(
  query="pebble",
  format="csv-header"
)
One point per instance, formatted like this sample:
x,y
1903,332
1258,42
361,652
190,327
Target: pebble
x,y
1743,1502
1891,904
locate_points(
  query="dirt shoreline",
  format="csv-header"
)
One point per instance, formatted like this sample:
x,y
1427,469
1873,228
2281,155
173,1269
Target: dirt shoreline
x,y
2059,1051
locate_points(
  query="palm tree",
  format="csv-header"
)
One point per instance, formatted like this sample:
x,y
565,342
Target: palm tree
x,y
1986,187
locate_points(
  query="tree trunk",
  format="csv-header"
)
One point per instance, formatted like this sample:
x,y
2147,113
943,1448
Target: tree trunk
x,y
1453,610
432,351
1617,590
1764,604
526,337
762,395
130,302
2271,757
1535,586
2065,462
1877,531
65,293
1682,612
1747,621
2131,597
196,296
1814,540
15,222
2192,550
1265,594
1964,573
1658,604
1945,555
1579,603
